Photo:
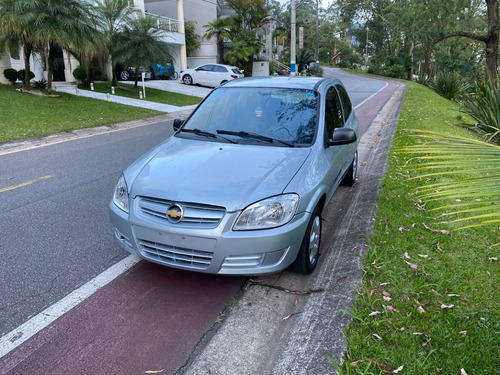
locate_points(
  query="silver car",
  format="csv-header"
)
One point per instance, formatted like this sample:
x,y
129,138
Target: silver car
x,y
240,187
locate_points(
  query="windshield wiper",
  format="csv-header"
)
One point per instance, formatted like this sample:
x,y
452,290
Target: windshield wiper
x,y
206,134
244,134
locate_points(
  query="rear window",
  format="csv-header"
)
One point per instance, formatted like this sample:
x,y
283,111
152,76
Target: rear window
x,y
285,114
236,71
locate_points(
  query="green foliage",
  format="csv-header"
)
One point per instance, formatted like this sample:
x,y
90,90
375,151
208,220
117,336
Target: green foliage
x,y
80,73
450,85
192,39
40,84
21,74
11,75
303,58
316,71
483,105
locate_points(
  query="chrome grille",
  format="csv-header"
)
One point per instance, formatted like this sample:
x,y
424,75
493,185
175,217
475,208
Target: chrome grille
x,y
175,255
195,215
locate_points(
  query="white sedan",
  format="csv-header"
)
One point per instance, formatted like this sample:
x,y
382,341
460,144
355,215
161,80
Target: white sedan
x,y
212,75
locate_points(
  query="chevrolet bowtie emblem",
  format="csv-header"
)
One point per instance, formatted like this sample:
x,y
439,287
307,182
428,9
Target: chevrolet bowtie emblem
x,y
175,213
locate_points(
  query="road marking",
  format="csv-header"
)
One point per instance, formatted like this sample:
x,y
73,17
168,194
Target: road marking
x,y
16,337
3,190
371,96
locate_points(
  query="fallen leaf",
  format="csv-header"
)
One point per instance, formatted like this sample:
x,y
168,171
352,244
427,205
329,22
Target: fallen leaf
x,y
373,313
489,273
154,372
302,293
439,247
436,293
462,372
420,238
406,215
421,309
387,299
492,259
447,306
406,255
377,336
423,256
403,228
296,302
377,363
463,332
418,333
437,230
384,284
399,369
453,295
387,294
391,308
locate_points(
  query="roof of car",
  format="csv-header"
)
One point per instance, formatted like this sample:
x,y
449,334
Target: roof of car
x,y
300,82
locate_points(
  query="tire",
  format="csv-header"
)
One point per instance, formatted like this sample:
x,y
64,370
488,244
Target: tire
x,y
350,177
187,79
124,75
308,255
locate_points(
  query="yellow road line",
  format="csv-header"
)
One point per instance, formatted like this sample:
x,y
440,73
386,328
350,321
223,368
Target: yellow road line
x,y
26,183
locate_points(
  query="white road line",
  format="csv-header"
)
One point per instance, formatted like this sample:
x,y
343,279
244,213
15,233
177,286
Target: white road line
x,y
16,337
371,96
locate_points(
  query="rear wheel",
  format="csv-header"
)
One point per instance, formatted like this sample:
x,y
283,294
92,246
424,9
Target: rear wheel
x,y
124,75
307,259
187,79
350,177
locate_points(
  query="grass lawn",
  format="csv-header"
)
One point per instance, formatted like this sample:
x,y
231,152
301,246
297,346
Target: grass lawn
x,y
430,298
153,95
26,115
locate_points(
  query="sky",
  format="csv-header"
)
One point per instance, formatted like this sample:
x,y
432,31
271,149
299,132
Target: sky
x,y
325,3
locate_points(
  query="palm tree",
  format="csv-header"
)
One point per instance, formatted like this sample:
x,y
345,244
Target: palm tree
x,y
303,58
64,23
470,175
218,28
112,16
16,32
140,44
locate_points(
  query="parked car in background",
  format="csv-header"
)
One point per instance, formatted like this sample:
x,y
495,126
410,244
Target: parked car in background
x,y
128,73
212,75
240,188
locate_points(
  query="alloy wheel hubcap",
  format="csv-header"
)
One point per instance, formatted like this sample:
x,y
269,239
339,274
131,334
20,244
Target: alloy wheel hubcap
x,y
314,240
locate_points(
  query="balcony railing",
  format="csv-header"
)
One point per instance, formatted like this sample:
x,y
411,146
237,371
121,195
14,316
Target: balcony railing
x,y
168,24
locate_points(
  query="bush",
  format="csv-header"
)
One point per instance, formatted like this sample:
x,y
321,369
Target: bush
x,y
450,85
11,75
316,71
396,71
483,105
21,75
41,84
80,73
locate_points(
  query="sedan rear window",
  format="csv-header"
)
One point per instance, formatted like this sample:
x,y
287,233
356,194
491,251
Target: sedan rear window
x,y
288,115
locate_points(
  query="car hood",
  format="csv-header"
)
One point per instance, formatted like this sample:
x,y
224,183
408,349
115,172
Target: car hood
x,y
228,175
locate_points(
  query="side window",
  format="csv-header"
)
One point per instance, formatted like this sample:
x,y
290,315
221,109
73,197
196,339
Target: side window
x,y
205,68
333,112
345,101
220,69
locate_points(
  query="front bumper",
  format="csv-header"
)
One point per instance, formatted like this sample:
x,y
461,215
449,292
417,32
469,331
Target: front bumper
x,y
218,251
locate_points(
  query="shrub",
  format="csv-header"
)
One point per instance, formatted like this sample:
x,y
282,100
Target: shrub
x,y
450,85
483,105
316,71
41,84
80,73
11,75
396,71
21,75
423,80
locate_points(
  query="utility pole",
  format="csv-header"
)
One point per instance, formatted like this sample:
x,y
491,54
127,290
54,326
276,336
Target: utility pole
x,y
366,49
317,31
293,68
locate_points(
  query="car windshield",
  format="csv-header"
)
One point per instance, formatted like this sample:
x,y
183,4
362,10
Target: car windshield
x,y
287,115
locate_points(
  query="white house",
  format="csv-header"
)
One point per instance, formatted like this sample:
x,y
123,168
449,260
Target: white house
x,y
168,12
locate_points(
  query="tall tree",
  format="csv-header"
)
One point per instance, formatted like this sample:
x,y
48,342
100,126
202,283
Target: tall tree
x,y
112,16
15,33
141,43
63,23
218,28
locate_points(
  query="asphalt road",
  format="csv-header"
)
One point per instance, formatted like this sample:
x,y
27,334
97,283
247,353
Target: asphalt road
x,y
55,233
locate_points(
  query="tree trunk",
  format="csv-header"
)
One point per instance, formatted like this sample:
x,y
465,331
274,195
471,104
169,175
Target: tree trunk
x,y
410,70
136,79
492,39
27,47
49,67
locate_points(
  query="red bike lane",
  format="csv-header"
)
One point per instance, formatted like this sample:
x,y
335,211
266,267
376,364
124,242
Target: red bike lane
x,y
149,319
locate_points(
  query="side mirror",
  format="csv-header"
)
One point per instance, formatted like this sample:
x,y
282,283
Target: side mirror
x,y
342,136
178,123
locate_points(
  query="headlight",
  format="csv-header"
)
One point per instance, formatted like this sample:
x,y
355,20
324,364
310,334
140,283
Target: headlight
x,y
268,213
120,198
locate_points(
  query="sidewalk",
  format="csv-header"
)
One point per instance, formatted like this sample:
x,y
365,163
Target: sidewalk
x,y
173,86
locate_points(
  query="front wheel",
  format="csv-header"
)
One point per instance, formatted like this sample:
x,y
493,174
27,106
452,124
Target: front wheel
x,y
307,259
187,79
124,75
350,177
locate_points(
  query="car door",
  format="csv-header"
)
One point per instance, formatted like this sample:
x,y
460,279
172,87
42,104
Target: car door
x,y
336,155
203,74
220,74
